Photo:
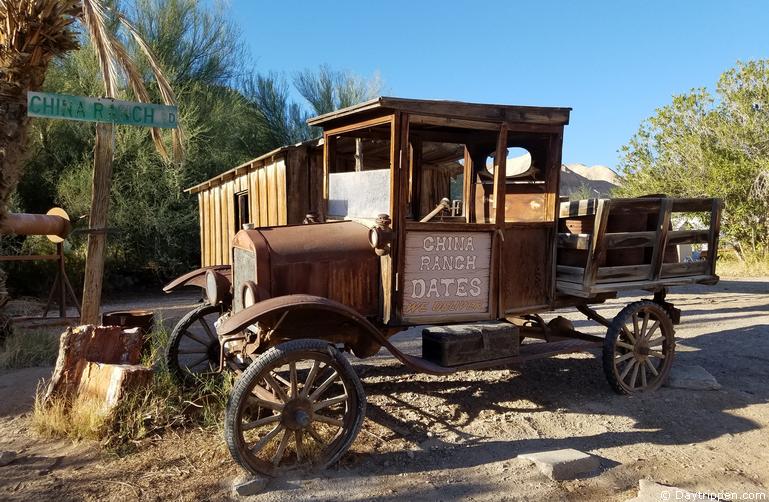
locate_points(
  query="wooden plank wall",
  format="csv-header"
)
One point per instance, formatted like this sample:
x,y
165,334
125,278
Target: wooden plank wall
x,y
281,191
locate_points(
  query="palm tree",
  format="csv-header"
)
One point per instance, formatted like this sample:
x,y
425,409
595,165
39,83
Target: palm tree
x,y
32,34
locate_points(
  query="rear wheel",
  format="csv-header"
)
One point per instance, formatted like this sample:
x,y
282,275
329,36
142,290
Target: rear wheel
x,y
638,349
193,348
299,405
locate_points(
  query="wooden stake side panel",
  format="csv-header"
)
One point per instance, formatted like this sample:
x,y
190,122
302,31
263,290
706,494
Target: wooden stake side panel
x,y
446,276
618,244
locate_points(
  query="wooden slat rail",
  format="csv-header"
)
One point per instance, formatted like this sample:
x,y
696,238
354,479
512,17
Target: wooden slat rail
x,y
593,279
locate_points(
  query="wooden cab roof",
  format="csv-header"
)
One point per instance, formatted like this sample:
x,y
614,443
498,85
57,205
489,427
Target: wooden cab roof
x,y
476,112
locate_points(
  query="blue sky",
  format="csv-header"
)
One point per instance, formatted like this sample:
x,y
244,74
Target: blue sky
x,y
612,62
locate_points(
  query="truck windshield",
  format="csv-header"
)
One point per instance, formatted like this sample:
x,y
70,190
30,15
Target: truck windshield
x,y
359,175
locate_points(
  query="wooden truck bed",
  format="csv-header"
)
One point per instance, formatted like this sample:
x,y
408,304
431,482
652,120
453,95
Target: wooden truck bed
x,y
609,245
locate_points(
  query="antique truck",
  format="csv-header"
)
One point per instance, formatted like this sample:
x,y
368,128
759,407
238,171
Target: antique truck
x,y
438,214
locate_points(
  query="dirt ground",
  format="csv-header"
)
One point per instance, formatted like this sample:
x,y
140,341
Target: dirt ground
x,y
459,437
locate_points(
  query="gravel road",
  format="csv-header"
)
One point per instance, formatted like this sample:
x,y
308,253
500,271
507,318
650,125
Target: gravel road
x,y
459,437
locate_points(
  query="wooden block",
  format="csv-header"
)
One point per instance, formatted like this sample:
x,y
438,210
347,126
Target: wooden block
x,y
108,383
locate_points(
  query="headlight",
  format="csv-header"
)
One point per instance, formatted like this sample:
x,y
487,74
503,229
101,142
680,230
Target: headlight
x,y
373,237
248,294
381,236
216,287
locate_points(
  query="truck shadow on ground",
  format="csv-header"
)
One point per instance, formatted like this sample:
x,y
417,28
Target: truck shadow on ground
x,y
566,386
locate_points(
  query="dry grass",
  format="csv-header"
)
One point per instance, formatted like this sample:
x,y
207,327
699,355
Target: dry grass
x,y
79,420
730,266
24,349
145,413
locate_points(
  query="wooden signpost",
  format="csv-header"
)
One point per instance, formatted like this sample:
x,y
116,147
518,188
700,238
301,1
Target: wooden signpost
x,y
106,112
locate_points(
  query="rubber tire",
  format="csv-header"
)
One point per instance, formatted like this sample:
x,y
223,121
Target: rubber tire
x,y
265,361
172,362
622,318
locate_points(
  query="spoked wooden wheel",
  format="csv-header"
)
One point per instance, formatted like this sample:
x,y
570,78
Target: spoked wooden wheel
x,y
638,348
299,405
193,348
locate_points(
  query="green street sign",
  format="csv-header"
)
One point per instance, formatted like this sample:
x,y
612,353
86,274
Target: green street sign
x,y
62,106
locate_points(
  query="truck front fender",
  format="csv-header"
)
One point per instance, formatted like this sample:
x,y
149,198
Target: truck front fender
x,y
308,316
197,278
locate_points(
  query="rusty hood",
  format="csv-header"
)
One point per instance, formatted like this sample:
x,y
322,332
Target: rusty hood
x,y
331,260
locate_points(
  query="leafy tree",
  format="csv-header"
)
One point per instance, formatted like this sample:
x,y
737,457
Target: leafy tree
x,y
327,90
704,145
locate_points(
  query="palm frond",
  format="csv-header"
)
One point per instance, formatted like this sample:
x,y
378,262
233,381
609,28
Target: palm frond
x,y
113,56
164,86
95,20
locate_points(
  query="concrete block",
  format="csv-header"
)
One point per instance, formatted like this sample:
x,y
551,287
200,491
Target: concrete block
x,y
249,485
6,457
564,464
692,378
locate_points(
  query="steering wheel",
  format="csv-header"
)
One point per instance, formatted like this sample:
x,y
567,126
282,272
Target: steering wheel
x,y
443,204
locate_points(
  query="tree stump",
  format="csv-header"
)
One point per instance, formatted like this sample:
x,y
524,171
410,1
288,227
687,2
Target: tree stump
x,y
108,383
83,345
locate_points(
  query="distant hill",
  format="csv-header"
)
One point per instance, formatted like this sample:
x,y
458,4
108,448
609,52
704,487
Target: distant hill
x,y
586,181
597,180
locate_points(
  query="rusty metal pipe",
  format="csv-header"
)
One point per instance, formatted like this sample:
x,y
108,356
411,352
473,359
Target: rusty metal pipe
x,y
55,224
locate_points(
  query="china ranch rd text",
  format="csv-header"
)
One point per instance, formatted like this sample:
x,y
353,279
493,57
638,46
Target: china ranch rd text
x,y
60,106
446,273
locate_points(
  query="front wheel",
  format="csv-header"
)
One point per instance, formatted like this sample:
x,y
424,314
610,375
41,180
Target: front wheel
x,y
638,349
193,347
299,405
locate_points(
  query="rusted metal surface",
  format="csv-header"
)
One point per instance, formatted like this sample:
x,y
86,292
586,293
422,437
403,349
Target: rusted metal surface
x,y
330,260
302,314
53,224
196,278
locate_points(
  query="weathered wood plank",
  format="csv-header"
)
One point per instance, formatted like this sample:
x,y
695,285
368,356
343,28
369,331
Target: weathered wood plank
x,y
715,225
569,274
626,272
684,269
264,202
216,236
201,225
272,194
688,237
690,205
575,208
623,240
452,282
663,227
454,109
453,122
253,197
597,249
280,186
